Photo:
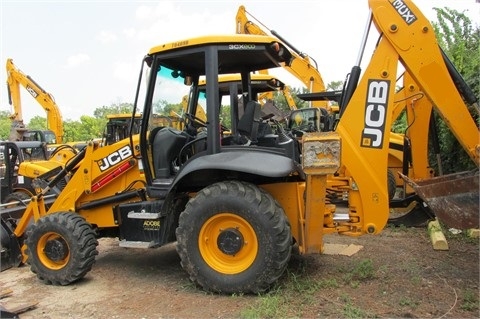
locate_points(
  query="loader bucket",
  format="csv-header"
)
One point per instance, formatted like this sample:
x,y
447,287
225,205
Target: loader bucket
x,y
453,198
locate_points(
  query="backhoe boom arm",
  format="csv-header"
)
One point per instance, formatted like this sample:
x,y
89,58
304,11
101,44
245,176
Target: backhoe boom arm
x,y
16,78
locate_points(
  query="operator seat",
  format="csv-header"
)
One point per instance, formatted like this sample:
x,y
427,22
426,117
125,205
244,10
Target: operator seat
x,y
248,123
166,147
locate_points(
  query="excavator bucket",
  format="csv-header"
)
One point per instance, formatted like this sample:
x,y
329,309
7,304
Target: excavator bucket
x,y
453,198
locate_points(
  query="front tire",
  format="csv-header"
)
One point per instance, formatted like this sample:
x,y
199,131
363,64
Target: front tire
x,y
233,237
61,248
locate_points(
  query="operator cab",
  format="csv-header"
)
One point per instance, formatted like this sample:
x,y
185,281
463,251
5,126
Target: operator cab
x,y
236,115
228,141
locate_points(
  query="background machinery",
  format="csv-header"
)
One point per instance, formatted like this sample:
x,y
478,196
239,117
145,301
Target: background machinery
x,y
54,134
303,67
13,154
238,202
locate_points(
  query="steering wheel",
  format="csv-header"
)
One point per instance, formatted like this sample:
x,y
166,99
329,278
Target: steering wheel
x,y
195,121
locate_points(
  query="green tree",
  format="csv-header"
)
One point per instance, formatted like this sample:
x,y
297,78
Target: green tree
x,y
460,41
91,127
72,130
225,118
116,108
38,123
5,124
334,85
281,102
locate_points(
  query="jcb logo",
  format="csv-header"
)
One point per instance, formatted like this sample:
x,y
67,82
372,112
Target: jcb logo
x,y
114,158
375,114
32,91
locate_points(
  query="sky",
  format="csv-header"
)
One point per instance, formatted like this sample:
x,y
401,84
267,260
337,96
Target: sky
x,y
88,54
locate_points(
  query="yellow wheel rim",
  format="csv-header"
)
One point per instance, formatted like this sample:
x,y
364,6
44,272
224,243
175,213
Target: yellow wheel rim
x,y
53,251
228,243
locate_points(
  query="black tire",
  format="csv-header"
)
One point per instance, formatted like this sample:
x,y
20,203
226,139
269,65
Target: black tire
x,y
17,196
61,248
233,237
15,199
392,184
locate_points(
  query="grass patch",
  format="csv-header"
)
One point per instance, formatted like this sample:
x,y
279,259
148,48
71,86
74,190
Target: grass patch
x,y
407,302
297,292
398,228
289,298
351,311
469,301
362,271
271,305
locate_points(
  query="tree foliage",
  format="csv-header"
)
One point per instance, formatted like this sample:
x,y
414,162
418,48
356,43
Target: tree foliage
x,y
460,41
334,85
37,123
116,108
86,128
5,124
281,102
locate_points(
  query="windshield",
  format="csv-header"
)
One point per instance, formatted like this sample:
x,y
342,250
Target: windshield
x,y
50,138
170,99
34,153
304,120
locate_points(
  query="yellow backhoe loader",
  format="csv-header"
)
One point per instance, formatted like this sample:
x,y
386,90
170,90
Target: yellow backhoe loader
x,y
236,203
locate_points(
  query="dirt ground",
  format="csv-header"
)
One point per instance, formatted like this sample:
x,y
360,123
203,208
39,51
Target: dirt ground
x,y
407,279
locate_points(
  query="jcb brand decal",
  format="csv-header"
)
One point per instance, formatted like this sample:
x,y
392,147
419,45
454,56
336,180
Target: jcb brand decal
x,y
404,11
32,91
114,158
375,113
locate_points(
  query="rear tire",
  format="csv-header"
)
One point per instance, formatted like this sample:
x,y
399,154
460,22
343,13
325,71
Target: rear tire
x,y
391,184
233,237
18,196
61,248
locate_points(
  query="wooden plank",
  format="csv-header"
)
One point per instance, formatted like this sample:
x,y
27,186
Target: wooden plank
x,y
22,307
437,237
473,233
5,293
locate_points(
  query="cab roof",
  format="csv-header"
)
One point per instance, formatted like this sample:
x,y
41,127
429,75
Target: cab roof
x,y
236,53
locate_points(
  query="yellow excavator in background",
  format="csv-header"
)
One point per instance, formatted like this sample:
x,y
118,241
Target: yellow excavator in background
x,y
18,132
236,204
303,67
